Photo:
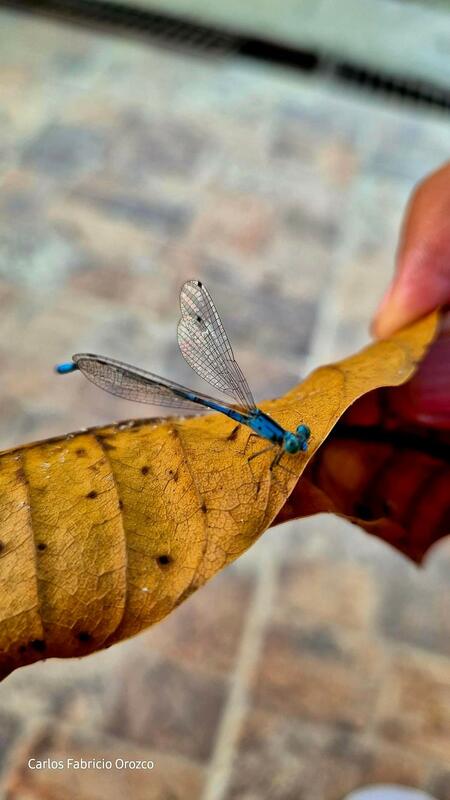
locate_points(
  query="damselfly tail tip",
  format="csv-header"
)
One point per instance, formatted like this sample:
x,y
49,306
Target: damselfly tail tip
x,y
68,366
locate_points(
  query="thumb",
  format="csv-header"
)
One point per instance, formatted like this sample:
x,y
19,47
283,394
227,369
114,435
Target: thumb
x,y
422,279
421,284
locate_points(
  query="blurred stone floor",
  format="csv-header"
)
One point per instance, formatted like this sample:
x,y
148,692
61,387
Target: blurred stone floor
x,y
320,661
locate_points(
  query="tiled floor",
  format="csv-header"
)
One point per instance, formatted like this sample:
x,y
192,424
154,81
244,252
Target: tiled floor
x,y
320,661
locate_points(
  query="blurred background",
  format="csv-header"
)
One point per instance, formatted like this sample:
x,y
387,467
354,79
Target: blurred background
x,y
268,149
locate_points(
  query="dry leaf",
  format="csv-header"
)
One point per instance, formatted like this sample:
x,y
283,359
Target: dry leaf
x,y
104,532
384,475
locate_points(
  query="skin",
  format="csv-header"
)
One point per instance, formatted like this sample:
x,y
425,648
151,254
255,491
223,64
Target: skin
x,y
422,283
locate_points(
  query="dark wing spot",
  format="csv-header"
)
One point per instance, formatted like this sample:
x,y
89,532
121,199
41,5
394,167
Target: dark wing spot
x,y
199,319
199,283
203,508
2,547
80,451
121,504
42,546
92,495
145,470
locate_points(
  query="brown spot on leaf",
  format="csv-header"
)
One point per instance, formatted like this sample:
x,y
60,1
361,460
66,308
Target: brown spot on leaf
x,y
164,560
84,637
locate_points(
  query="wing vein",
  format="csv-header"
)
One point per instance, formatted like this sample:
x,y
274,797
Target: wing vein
x,y
205,346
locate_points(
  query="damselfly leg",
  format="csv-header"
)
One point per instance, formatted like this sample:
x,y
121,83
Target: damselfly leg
x,y
276,461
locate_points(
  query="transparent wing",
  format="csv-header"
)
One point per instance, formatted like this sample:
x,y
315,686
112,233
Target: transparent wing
x,y
136,384
205,345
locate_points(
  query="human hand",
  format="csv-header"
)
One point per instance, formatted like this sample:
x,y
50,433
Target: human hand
x,y
421,284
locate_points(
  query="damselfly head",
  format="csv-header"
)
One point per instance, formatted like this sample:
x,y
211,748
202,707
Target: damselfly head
x,y
298,441
304,432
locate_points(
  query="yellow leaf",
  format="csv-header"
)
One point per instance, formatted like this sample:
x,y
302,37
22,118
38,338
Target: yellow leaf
x,y
105,531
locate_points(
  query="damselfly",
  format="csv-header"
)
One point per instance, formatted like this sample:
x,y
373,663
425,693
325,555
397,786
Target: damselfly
x,y
206,348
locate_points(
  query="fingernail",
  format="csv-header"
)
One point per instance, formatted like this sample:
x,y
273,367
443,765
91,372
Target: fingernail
x,y
392,313
379,312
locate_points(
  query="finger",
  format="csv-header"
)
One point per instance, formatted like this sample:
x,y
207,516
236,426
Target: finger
x,y
422,279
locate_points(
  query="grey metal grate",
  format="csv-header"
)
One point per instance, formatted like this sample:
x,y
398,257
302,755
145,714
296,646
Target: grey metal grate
x,y
170,31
